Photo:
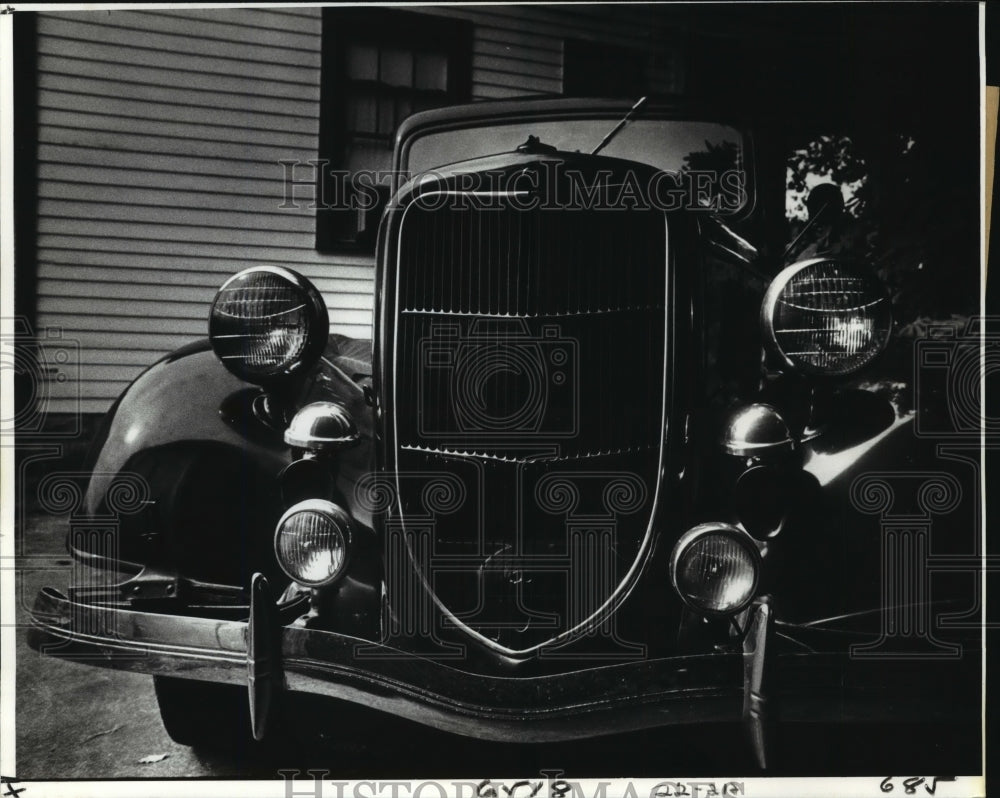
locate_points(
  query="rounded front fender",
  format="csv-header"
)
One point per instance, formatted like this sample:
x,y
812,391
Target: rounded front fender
x,y
179,399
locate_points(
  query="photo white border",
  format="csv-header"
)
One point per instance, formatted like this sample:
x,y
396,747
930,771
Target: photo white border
x,y
835,787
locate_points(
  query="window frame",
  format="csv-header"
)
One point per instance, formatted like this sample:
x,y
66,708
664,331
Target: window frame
x,y
382,28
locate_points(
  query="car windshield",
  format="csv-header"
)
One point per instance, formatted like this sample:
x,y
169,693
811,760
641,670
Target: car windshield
x,y
671,145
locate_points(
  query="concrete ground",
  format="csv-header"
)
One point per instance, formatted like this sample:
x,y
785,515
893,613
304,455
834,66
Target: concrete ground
x,y
75,721
80,722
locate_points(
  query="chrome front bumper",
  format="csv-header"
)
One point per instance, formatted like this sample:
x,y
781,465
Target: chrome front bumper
x,y
268,657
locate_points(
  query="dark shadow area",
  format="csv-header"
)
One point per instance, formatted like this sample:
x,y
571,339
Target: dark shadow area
x,y
803,749
854,417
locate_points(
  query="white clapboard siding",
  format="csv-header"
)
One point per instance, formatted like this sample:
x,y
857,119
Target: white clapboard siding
x,y
160,139
160,136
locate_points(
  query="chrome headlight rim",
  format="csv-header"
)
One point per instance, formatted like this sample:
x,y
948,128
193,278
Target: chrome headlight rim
x,y
774,293
343,524
317,335
738,535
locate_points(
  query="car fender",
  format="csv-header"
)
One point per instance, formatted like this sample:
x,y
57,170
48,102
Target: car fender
x,y
211,466
177,400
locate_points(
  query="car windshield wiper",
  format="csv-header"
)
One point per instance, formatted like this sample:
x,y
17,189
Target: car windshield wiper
x,y
618,128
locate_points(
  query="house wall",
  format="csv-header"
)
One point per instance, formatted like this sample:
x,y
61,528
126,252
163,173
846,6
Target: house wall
x,y
159,140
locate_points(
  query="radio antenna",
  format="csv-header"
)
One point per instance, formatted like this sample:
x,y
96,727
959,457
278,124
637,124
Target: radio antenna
x,y
618,128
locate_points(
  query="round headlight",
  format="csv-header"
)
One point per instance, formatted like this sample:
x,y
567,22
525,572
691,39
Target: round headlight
x,y
823,317
267,322
715,568
311,542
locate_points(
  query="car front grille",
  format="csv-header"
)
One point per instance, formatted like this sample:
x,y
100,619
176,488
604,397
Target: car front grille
x,y
521,330
528,352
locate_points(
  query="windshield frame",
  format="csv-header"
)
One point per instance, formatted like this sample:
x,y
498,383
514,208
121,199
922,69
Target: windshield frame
x,y
527,111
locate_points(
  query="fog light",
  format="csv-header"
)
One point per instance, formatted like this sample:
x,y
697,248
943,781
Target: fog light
x,y
757,431
322,427
715,569
312,542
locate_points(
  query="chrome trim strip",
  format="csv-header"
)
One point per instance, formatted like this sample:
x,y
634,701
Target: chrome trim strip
x,y
602,311
541,458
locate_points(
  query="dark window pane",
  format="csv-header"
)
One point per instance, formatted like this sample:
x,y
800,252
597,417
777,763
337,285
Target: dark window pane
x,y
397,67
365,154
361,116
386,116
431,71
602,70
424,101
404,107
362,62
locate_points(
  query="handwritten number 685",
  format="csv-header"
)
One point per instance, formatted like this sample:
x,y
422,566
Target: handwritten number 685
x,y
910,785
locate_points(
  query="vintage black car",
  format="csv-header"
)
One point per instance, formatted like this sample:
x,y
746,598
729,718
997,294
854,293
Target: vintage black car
x,y
606,465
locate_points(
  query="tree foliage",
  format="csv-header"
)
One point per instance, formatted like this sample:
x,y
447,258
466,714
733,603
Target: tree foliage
x,y
907,214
